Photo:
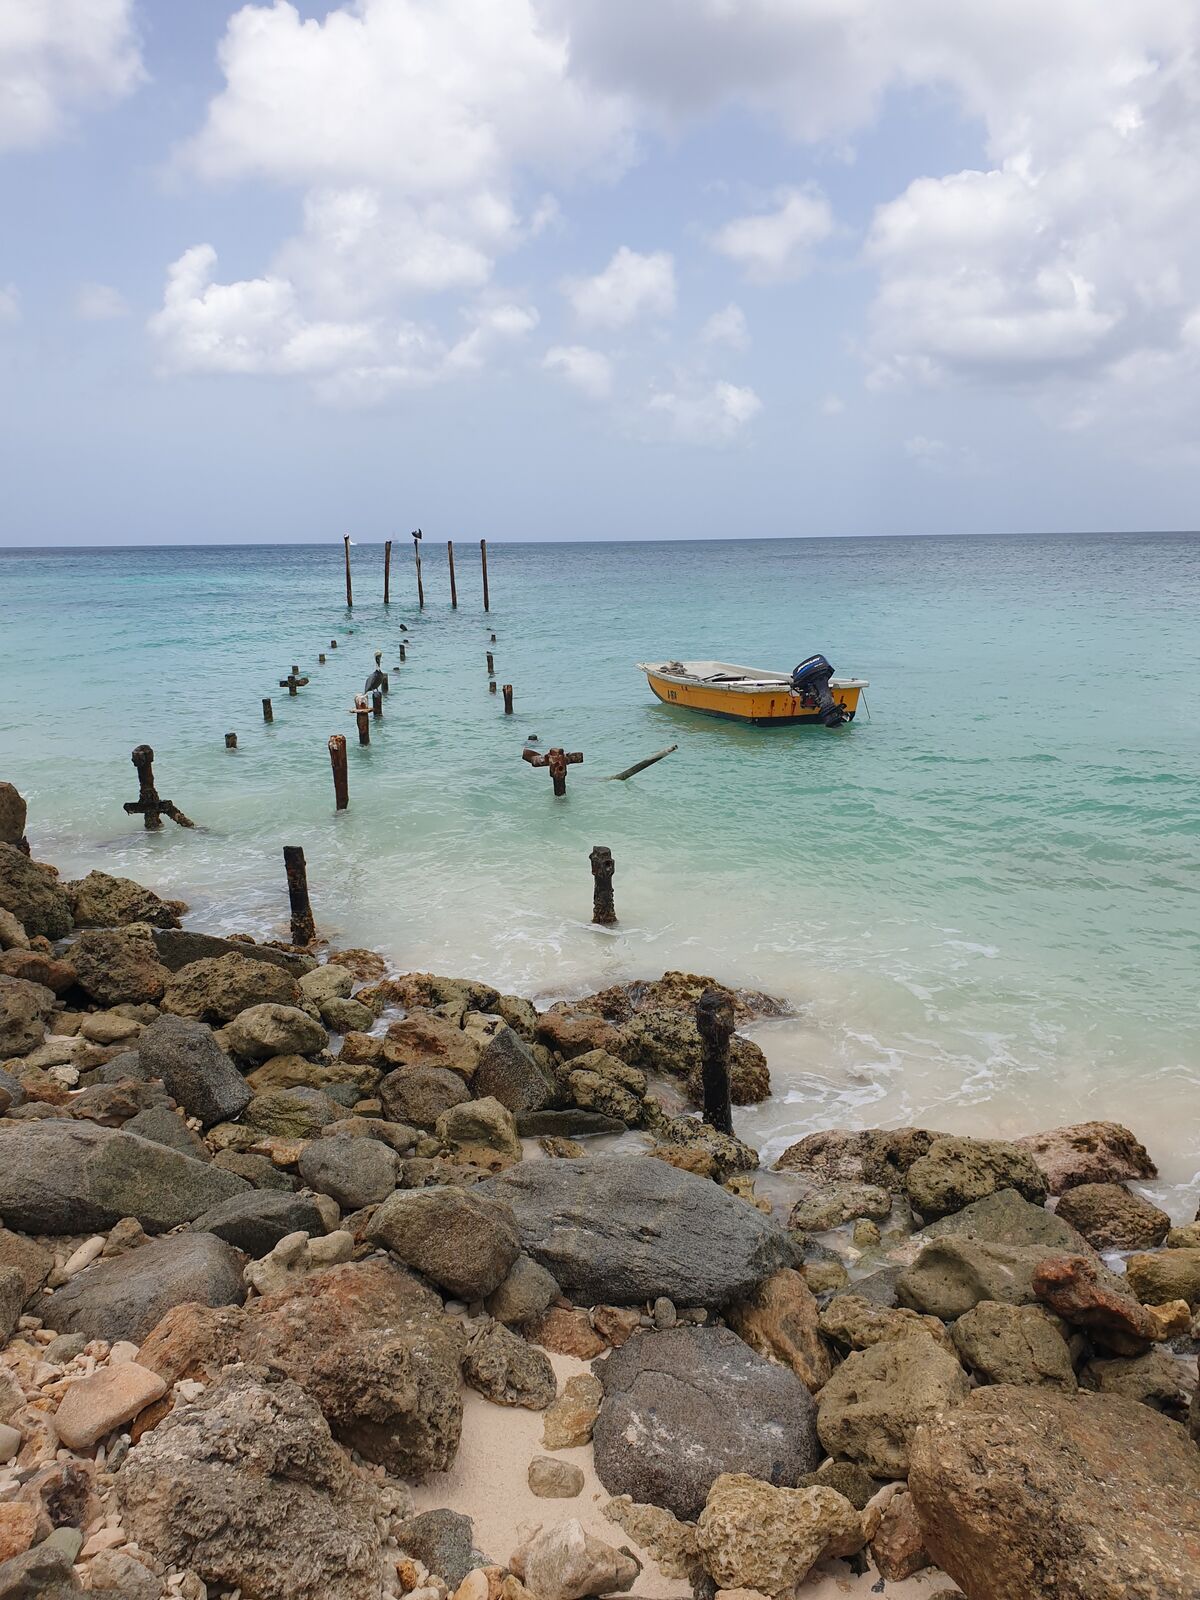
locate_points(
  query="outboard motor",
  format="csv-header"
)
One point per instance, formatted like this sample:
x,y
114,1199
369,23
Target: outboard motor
x,y
810,680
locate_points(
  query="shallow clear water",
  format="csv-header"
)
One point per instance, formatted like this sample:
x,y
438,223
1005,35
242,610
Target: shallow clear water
x,y
982,901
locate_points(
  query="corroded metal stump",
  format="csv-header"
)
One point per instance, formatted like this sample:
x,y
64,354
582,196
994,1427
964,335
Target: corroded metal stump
x,y
557,760
714,1019
304,927
148,804
604,910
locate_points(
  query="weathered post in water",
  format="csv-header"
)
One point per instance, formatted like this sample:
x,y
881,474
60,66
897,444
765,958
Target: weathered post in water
x,y
349,590
387,572
341,779
231,741
714,1019
558,760
604,910
492,686
491,664
386,685
507,699
416,539
321,659
362,714
148,805
291,683
304,929
268,713
377,704
483,563
453,585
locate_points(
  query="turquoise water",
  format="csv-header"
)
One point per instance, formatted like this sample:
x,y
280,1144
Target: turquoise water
x,y
982,901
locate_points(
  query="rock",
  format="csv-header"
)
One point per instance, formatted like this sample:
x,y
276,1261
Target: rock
x,y
443,1542
295,1256
754,1536
33,894
482,1132
570,1421
572,1122
330,982
195,1071
260,1171
565,1563
37,967
245,1487
94,1406
506,1370
181,948
62,1176
952,1275
257,1221
1169,1275
118,966
659,1039
689,1136
101,901
12,1095
897,1547
12,1298
554,1480
28,1258
855,1323
420,1095
672,1543
12,934
123,1297
666,1428
957,1172
847,1477
1088,1152
509,1072
779,1320
1087,1497
43,1573
1013,1344
25,1008
262,1031
161,1125
878,1156
109,1027
1005,1218
112,1572
338,1079
568,1331
621,1230
835,1203
1159,1380
292,1113
63,1349
1186,1237
424,1039
127,1235
112,1104
570,1035
1111,1218
526,1292
355,1172
345,1016
13,812
1089,1297
217,989
463,1240
876,1400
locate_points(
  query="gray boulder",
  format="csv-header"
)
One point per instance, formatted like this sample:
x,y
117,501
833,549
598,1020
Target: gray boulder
x,y
260,1171
526,1292
622,1230
161,1125
256,1222
509,1072
420,1095
1013,1344
178,948
262,1031
61,1176
507,1370
12,1300
444,1542
195,1071
1006,1218
13,812
683,1406
33,894
25,1008
43,1572
12,1094
292,1113
118,966
461,1239
354,1172
125,1296
952,1275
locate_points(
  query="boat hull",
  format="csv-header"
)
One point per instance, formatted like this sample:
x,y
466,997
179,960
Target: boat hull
x,y
764,708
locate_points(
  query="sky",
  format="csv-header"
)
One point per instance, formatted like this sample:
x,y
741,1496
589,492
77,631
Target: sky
x,y
543,269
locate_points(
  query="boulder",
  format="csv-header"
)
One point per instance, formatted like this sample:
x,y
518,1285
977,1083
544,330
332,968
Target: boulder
x,y
566,1563
420,1095
481,1132
12,1094
262,1031
260,1171
95,1405
622,1230
876,1400
33,894
257,1221
897,1546
667,1428
32,1260
507,1370
1157,1379
216,989
508,1071
1013,1344
443,1541
345,1016
298,1072
295,1257
1006,1218
753,1536
161,1125
125,1296
12,1299
855,1323
878,1156
179,948
118,966
600,1082
662,1040
25,1009
1088,1152
292,1113
956,1172
952,1275
195,1071
61,1176
1164,1276
1086,1295
1024,1492
330,982
569,1422
12,934
425,1039
13,812
526,1293
570,1034
463,1240
42,1573
779,1319
568,1123
35,966
849,1479
245,1487
1111,1218
834,1203
354,1172
102,901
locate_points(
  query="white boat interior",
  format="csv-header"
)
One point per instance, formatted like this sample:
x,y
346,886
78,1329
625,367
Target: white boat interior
x,y
726,675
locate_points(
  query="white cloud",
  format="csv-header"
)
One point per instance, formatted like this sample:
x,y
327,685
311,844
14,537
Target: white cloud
x,y
589,371
10,303
631,286
61,57
727,327
99,302
771,246
832,405
706,414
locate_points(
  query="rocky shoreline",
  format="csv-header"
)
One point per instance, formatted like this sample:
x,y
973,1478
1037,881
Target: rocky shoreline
x,y
324,1282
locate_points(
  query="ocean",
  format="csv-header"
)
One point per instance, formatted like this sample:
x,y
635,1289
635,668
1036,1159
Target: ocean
x,y
981,900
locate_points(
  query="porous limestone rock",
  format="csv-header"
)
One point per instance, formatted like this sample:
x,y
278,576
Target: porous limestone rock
x,y
755,1536
565,1563
463,1240
1088,1152
876,1400
957,1171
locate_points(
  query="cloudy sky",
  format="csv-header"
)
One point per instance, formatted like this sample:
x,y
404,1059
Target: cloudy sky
x,y
597,268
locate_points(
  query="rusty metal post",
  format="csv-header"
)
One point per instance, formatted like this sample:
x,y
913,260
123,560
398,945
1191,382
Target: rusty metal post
x,y
416,539
341,780
386,685
483,562
321,658
403,651
333,644
387,572
491,664
492,686
349,590
507,699
558,760
148,805
714,1019
268,713
304,929
231,741
362,715
377,704
604,910
453,585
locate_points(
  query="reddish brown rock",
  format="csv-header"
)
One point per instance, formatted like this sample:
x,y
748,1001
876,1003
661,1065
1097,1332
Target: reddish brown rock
x,y
427,1040
1111,1218
18,1527
780,1320
573,1033
897,1547
567,1330
615,1324
35,967
1088,1152
1085,1295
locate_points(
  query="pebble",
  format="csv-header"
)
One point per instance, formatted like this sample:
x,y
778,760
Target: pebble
x,y
69,1540
10,1442
550,1479
665,1315
94,1406
124,1350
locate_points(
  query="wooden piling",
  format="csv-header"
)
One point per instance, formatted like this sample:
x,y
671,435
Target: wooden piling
x,y
508,709
268,713
304,928
341,779
714,1020
231,741
387,572
483,563
321,658
403,651
333,644
386,685
492,686
377,704
453,585
604,911
349,590
362,714
416,539
491,664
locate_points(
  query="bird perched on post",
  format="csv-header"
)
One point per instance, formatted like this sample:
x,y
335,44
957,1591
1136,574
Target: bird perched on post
x,y
375,681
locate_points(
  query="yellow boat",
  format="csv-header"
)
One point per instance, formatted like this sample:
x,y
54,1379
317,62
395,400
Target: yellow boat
x,y
811,694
